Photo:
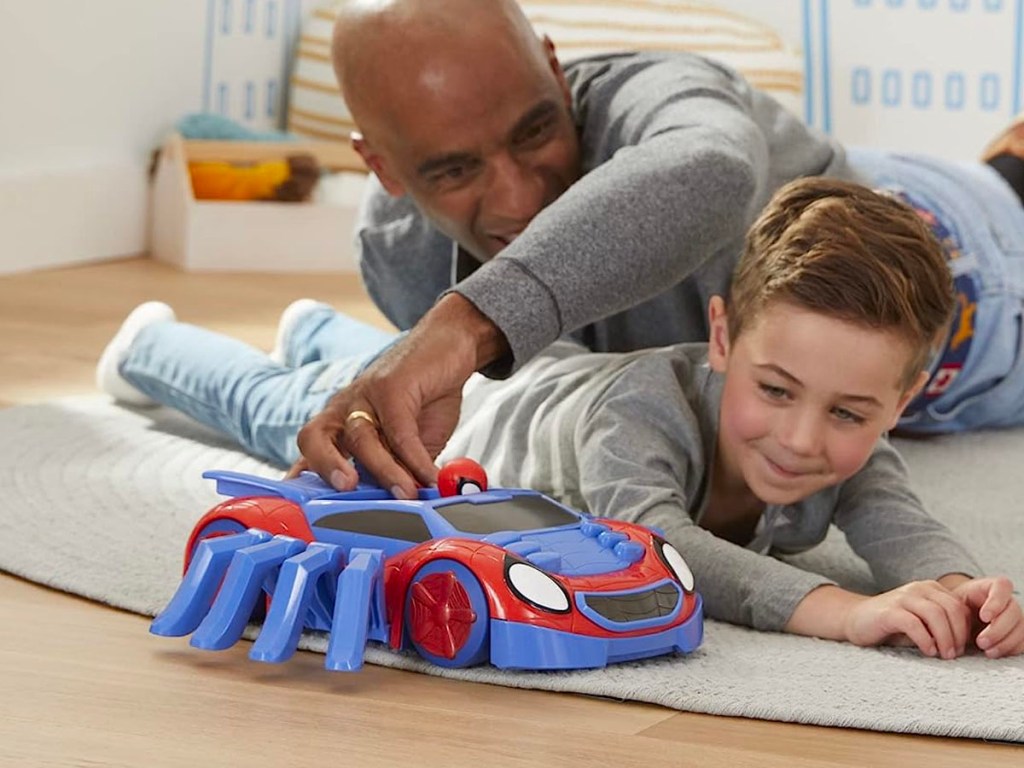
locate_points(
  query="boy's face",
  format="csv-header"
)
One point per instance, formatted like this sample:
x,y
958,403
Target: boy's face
x,y
806,398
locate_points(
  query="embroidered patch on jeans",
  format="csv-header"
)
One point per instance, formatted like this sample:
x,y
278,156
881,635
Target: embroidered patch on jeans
x,y
961,331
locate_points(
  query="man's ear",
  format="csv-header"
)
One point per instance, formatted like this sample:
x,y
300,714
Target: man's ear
x,y
556,67
910,394
718,337
376,163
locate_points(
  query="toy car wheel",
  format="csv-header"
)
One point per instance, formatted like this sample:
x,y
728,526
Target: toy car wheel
x,y
225,526
446,615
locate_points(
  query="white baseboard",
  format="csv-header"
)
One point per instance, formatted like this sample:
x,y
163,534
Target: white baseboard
x,y
61,217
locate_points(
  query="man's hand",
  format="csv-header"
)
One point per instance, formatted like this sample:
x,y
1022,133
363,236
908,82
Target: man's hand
x,y
992,603
401,411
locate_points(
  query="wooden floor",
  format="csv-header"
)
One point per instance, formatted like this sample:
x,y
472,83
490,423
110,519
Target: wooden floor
x,y
84,685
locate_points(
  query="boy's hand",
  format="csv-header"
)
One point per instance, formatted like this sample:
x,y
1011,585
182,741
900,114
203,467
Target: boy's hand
x,y
925,613
991,601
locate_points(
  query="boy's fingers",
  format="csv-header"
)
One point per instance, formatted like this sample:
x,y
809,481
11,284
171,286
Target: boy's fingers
x,y
911,626
934,616
997,599
958,616
1011,644
999,628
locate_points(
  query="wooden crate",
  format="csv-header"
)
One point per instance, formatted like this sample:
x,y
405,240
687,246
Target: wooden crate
x,y
228,235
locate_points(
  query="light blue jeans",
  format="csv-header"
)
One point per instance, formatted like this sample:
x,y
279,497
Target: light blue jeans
x,y
977,380
238,390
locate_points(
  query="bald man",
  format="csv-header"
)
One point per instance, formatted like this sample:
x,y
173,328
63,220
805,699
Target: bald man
x,y
515,201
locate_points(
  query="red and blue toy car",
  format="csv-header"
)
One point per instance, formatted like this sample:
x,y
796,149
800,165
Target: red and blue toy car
x,y
462,574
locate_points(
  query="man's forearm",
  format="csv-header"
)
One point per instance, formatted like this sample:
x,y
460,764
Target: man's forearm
x,y
455,316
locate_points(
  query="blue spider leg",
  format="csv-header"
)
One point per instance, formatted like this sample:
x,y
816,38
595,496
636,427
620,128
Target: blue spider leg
x,y
242,587
359,605
192,600
289,605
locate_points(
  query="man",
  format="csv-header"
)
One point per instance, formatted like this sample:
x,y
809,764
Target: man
x,y
607,200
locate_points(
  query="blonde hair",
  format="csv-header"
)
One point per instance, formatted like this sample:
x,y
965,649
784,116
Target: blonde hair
x,y
847,252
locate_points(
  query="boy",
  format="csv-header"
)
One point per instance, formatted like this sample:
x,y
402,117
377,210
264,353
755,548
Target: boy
x,y
747,446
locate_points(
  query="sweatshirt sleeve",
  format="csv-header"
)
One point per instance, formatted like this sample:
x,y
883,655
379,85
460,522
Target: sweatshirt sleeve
x,y
887,525
640,459
681,163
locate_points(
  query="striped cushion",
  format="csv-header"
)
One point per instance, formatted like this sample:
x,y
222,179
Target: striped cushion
x,y
578,28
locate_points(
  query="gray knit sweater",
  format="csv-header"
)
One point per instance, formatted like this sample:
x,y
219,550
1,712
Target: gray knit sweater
x,y
679,155
633,436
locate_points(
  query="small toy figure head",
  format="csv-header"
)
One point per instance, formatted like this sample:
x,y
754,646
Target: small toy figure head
x,y
461,106
459,477
839,301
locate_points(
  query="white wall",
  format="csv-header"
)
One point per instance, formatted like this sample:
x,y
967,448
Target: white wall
x,y
89,88
86,89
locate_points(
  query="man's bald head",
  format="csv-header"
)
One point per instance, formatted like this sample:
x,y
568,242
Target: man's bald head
x,y
388,49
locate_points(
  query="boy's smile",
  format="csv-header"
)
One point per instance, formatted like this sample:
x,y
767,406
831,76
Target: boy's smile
x,y
805,399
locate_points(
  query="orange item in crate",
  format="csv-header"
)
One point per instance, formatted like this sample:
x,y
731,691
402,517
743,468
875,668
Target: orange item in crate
x,y
288,180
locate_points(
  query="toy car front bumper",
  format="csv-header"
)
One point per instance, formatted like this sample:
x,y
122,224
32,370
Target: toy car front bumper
x,y
525,646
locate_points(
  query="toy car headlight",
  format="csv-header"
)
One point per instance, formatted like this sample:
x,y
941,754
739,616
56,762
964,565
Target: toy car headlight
x,y
532,585
675,562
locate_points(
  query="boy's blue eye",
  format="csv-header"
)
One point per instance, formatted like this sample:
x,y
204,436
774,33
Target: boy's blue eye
x,y
776,393
849,416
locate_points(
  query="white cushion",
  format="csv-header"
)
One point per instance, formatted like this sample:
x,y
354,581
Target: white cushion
x,y
578,28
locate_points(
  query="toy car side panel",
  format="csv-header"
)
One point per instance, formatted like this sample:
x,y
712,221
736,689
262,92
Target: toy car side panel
x,y
272,514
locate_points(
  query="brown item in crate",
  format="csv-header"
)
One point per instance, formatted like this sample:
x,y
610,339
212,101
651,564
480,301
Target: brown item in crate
x,y
291,179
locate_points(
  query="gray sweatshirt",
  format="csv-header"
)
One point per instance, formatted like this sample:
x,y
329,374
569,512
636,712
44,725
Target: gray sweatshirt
x,y
633,437
679,155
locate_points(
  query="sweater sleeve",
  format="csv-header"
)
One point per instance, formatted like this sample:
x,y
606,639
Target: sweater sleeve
x,y
681,163
641,459
887,525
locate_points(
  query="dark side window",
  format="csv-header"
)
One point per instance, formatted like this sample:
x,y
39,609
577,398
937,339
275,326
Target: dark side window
x,y
389,523
520,513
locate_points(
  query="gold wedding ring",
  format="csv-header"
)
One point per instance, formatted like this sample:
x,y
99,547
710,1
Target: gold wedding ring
x,y
364,415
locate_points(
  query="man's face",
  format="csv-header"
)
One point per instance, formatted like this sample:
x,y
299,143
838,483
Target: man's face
x,y
482,141
806,398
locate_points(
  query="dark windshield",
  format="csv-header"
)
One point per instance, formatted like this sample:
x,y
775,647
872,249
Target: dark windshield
x,y
520,513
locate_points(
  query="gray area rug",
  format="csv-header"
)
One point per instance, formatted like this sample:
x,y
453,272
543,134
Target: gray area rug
x,y
98,500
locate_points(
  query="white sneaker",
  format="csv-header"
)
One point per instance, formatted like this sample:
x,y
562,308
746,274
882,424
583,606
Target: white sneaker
x,y
108,378
290,318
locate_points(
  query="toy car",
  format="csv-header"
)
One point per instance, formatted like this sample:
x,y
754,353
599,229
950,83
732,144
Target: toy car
x,y
462,574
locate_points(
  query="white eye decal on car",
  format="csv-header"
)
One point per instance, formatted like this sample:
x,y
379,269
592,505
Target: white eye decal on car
x,y
678,565
536,587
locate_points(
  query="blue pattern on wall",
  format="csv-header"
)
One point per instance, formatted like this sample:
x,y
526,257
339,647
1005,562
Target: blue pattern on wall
x,y
900,68
248,42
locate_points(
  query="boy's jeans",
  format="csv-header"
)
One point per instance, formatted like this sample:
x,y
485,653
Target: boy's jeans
x,y
978,379
237,389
